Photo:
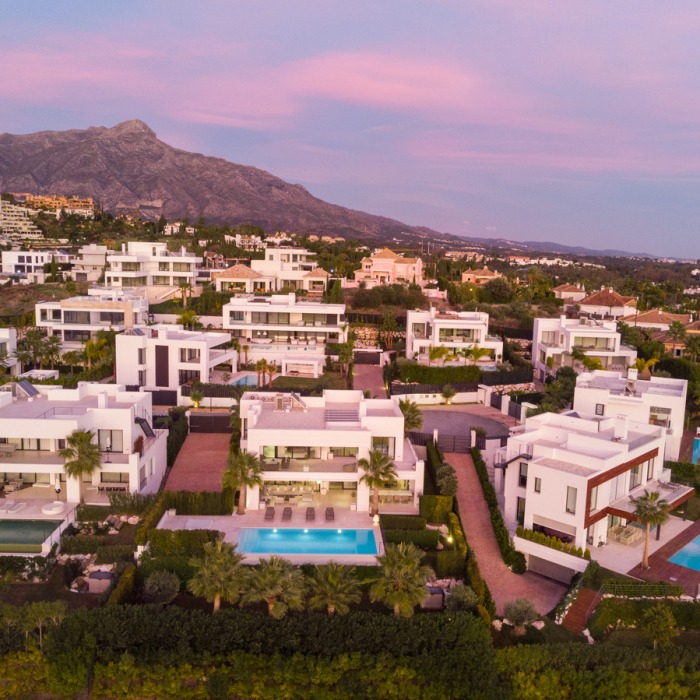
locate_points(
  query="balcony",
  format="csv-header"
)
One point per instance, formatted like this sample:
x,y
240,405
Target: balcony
x,y
673,493
335,464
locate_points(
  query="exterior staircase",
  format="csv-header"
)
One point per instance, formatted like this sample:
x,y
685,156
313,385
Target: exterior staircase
x,y
577,617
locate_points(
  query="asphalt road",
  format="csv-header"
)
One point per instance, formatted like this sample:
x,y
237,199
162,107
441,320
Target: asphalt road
x,y
451,422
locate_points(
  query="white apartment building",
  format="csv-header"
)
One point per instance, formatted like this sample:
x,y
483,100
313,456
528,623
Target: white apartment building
x,y
8,346
90,263
30,264
166,356
17,223
554,339
293,268
657,401
289,331
387,267
156,271
310,449
77,319
36,421
571,475
457,331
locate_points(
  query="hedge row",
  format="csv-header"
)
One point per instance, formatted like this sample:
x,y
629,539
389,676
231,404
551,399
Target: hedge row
x,y
81,544
178,565
124,589
87,514
114,553
435,509
425,539
487,606
512,558
185,543
628,588
402,522
410,372
685,473
553,543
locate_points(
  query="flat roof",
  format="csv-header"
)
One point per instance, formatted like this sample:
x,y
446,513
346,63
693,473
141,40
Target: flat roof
x,y
38,407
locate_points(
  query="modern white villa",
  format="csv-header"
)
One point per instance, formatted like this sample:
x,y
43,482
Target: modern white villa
x,y
290,268
8,346
35,422
310,447
77,319
166,356
571,476
152,268
283,329
555,339
457,331
657,401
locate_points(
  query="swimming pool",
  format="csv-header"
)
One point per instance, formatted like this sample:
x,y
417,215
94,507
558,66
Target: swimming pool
x,y
26,532
689,556
340,541
246,380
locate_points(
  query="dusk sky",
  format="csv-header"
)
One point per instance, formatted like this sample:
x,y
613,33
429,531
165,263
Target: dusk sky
x,y
576,122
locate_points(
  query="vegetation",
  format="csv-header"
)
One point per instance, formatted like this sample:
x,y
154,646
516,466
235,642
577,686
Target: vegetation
x,y
553,542
649,509
161,587
244,471
82,457
218,575
279,584
520,613
412,417
379,473
333,588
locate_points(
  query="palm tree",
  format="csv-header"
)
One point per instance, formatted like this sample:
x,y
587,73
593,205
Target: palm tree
x,y
272,369
82,456
676,334
436,353
72,358
280,584
219,575
379,472
245,349
477,353
333,587
185,291
189,319
412,416
96,351
345,354
51,350
692,347
24,356
244,470
649,509
401,584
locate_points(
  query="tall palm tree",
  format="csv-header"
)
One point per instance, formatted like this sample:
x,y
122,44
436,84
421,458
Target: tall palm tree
x,y
345,355
272,369
412,416
219,575
244,470
402,579
51,350
245,349
96,351
379,472
185,289
82,456
280,584
333,588
692,347
676,334
649,509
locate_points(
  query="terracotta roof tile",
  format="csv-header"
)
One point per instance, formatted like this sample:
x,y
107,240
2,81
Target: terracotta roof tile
x,y
236,272
608,297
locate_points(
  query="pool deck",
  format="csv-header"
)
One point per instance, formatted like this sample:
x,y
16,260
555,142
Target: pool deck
x,y
661,569
231,526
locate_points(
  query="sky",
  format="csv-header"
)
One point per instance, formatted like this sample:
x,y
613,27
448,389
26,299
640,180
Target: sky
x,y
575,122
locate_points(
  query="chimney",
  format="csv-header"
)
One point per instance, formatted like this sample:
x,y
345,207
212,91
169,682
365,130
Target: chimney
x,y
632,373
620,428
102,399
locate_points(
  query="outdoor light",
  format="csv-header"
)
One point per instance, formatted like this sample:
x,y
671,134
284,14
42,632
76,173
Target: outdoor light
x,y
340,532
305,530
274,529
450,539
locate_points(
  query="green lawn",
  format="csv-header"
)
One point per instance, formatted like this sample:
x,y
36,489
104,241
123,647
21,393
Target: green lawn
x,y
330,380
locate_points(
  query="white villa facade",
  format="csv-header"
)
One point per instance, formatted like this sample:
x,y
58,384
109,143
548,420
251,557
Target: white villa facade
x,y
34,426
90,263
312,444
283,329
166,356
387,267
151,267
571,475
457,331
291,268
8,346
657,401
554,339
77,319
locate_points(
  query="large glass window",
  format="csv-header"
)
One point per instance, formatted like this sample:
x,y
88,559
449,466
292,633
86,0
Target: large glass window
x,y
522,476
594,498
160,280
520,515
76,336
112,317
77,317
385,445
650,469
571,494
538,485
635,476
110,440
660,416
345,451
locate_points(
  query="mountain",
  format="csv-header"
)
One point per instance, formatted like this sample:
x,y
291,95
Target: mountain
x,y
127,169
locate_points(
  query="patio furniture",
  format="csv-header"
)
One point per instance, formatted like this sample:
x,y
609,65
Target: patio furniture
x,y
17,507
6,505
53,508
270,513
310,515
330,515
287,513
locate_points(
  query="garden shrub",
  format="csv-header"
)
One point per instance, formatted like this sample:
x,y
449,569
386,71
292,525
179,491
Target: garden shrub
x,y
86,513
130,503
189,543
425,539
402,522
27,568
81,544
200,503
114,553
413,373
161,587
124,589
178,565
552,542
435,509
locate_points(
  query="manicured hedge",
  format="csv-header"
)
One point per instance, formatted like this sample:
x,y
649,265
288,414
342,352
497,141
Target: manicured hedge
x,y
402,522
476,581
410,372
125,587
26,567
425,539
435,509
187,543
512,558
553,543
130,503
685,473
628,588
87,514
178,565
81,544
114,553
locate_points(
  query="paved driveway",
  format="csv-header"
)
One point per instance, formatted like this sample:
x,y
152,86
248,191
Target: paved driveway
x,y
200,464
369,377
457,420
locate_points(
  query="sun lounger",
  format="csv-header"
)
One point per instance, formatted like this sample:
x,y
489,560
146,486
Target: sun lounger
x,y
287,513
6,505
310,515
269,513
17,507
330,515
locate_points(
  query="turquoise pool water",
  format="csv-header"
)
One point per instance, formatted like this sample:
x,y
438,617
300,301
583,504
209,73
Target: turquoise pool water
x,y
306,541
689,556
247,380
26,531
